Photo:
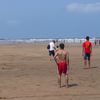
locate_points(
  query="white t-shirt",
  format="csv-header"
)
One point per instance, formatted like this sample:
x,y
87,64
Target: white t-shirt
x,y
52,46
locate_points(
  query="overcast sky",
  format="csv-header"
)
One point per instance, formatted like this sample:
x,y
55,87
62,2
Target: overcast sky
x,y
49,18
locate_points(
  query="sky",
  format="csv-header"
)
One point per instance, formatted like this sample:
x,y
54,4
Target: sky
x,y
49,18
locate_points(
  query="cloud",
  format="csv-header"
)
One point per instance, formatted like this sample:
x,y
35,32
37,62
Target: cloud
x,y
83,8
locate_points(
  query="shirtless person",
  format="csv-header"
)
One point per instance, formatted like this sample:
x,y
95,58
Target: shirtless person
x,y
62,60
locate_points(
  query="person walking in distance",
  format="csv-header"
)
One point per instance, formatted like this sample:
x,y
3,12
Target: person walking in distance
x,y
86,52
51,49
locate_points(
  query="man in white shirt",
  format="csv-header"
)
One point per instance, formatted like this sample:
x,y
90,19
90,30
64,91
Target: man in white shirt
x,y
52,49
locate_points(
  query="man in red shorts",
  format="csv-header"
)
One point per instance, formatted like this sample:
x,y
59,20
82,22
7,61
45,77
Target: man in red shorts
x,y
62,58
86,52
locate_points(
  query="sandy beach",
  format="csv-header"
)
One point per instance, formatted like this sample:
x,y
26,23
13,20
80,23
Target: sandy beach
x,y
26,73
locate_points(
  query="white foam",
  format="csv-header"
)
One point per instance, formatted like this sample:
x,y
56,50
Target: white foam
x,y
69,40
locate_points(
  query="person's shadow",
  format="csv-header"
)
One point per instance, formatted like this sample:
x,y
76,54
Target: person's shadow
x,y
91,67
73,85
94,67
70,85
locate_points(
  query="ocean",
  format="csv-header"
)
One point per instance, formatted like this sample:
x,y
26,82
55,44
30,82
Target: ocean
x,y
69,40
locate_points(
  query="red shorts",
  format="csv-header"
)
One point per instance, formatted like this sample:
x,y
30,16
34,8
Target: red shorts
x,y
62,68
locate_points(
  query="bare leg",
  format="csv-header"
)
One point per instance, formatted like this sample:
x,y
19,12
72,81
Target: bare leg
x,y
85,63
89,64
66,81
50,58
59,80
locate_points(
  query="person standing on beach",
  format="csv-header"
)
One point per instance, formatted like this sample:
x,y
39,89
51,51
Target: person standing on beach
x,y
51,49
86,52
99,42
62,59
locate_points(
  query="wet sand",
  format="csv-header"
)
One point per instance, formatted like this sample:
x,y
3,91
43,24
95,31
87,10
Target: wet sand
x,y
26,73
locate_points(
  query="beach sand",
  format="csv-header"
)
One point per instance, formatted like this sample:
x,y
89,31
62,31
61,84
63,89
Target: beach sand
x,y
26,73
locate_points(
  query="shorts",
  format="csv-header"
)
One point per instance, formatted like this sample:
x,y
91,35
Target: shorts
x,y
51,53
87,56
62,68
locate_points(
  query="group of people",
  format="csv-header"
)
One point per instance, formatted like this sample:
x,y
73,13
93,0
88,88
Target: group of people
x,y
97,41
61,56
